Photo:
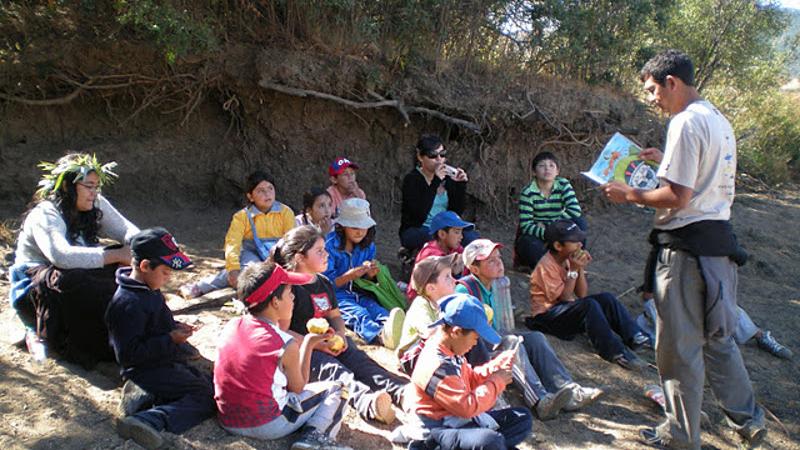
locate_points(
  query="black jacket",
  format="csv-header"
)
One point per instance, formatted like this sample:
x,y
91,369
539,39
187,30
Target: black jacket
x,y
139,323
418,198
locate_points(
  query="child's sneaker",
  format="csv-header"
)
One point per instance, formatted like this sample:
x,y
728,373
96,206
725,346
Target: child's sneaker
x,y
393,328
314,440
190,291
770,344
380,407
142,433
640,340
582,397
134,399
630,361
548,406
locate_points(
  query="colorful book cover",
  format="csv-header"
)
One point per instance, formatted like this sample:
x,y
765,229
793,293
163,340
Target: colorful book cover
x,y
619,161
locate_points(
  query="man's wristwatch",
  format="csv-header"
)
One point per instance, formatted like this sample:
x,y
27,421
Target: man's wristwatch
x,y
572,275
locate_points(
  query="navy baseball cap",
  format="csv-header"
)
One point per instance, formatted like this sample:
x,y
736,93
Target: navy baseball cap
x,y
157,243
564,231
466,311
448,219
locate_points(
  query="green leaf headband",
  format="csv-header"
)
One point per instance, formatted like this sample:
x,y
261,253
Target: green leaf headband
x,y
81,163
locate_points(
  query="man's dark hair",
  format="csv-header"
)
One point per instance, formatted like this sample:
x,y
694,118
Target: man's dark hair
x,y
251,278
543,156
669,62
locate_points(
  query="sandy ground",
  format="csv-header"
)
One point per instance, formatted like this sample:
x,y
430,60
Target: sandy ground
x,y
60,406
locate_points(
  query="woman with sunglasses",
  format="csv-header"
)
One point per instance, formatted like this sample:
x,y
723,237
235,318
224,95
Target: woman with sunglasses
x,y
63,278
432,187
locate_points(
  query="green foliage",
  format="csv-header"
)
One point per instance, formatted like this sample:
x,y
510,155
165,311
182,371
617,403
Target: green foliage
x,y
174,30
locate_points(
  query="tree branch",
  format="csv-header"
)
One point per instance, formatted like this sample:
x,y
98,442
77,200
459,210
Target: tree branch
x,y
397,104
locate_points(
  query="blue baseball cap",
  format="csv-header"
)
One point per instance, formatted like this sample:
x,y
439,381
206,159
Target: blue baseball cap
x,y
447,219
466,311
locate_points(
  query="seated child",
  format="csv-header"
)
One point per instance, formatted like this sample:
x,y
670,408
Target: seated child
x,y
546,384
261,374
446,234
449,400
546,199
252,233
342,173
372,388
351,250
561,304
148,343
317,210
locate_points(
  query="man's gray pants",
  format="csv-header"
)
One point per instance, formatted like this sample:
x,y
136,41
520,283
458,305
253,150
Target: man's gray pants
x,y
694,340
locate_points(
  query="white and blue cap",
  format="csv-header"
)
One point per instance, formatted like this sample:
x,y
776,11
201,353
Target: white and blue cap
x,y
448,219
466,311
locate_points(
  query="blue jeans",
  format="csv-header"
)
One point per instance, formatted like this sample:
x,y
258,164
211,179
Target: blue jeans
x,y
415,238
602,316
530,249
362,314
184,396
539,371
515,425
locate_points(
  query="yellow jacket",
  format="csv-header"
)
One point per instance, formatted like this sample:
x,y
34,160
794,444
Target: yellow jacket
x,y
270,225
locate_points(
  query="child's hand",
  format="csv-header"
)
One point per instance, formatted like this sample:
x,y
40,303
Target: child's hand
x,y
233,278
314,338
505,360
180,335
579,259
502,375
373,268
355,272
325,225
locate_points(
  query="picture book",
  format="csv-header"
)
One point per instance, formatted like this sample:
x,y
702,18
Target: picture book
x,y
619,161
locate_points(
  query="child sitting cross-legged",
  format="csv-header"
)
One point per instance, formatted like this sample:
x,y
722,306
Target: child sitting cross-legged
x,y
450,402
561,304
261,374
149,345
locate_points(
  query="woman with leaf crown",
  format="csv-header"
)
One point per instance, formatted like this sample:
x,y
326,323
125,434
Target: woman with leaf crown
x,y
62,277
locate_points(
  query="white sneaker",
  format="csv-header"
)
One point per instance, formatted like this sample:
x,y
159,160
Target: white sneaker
x,y
582,396
393,328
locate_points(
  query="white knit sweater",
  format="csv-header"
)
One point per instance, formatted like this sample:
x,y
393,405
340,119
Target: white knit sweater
x,y
43,239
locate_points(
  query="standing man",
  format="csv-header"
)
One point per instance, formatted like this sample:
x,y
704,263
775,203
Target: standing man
x,y
695,277
342,173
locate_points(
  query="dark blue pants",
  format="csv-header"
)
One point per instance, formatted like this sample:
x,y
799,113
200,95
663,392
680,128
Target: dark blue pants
x,y
415,238
515,425
361,373
530,249
184,396
602,316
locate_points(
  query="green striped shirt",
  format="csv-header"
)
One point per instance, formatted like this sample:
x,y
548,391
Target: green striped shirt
x,y
534,208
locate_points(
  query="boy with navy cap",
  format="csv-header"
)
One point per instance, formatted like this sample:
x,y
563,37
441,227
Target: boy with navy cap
x,y
150,345
452,400
561,304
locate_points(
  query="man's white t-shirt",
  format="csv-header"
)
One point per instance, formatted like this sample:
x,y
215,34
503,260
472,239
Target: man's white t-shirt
x,y
700,154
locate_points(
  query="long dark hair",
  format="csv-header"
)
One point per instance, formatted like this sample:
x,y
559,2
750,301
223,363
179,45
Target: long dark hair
x,y
297,241
80,224
366,242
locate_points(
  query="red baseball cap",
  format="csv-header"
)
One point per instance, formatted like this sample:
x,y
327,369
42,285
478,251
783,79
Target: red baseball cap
x,y
339,164
279,277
